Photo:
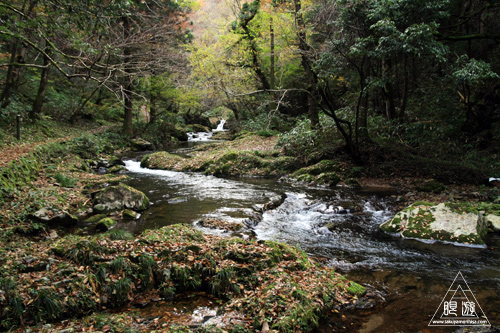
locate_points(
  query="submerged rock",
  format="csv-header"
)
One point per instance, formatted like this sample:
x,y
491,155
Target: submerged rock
x,y
177,200
114,198
55,217
273,203
443,222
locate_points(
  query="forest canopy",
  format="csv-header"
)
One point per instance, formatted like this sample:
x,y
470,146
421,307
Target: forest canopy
x,y
365,72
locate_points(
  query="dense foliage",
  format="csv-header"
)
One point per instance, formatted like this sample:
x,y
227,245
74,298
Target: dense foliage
x,y
402,74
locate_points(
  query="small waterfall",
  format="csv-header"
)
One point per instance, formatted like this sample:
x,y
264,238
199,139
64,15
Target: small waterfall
x,y
206,136
220,127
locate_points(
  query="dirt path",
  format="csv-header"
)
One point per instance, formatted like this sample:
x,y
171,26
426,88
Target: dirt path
x,y
14,153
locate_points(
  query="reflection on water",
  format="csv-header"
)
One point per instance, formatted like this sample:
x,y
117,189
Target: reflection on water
x,y
179,197
341,226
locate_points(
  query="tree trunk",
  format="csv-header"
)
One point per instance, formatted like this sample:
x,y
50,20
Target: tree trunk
x,y
127,118
404,98
153,113
254,50
390,110
13,73
127,88
36,109
272,75
306,64
17,53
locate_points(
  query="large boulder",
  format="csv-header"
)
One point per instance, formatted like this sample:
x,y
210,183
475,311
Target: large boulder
x,y
493,222
446,222
55,217
115,198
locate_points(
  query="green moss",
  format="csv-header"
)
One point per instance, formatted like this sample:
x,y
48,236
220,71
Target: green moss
x,y
145,161
118,234
161,160
324,166
306,178
105,224
422,203
356,289
116,169
95,218
489,208
329,178
391,226
230,156
129,214
418,220
462,207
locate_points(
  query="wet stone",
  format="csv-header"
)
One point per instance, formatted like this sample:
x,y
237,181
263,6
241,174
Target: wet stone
x,y
55,217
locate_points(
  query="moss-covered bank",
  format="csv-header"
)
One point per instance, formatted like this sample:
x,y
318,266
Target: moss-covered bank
x,y
47,281
249,155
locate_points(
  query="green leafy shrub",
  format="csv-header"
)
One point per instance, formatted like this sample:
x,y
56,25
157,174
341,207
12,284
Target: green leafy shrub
x,y
118,292
119,234
11,303
310,145
223,282
19,173
267,123
64,180
47,305
147,266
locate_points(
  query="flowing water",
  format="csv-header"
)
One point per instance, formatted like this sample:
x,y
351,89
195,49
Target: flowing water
x,y
340,227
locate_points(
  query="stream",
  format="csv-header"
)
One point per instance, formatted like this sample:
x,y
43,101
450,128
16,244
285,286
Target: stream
x,y
339,226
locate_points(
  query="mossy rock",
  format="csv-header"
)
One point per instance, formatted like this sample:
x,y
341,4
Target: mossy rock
x,y
328,178
140,144
94,219
117,169
306,178
54,217
493,222
226,135
231,156
324,166
438,223
115,198
161,160
130,214
105,224
113,160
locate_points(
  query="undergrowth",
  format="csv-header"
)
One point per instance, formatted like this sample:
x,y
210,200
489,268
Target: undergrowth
x,y
262,280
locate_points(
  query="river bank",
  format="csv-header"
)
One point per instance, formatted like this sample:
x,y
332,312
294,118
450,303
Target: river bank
x,y
51,273
42,270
